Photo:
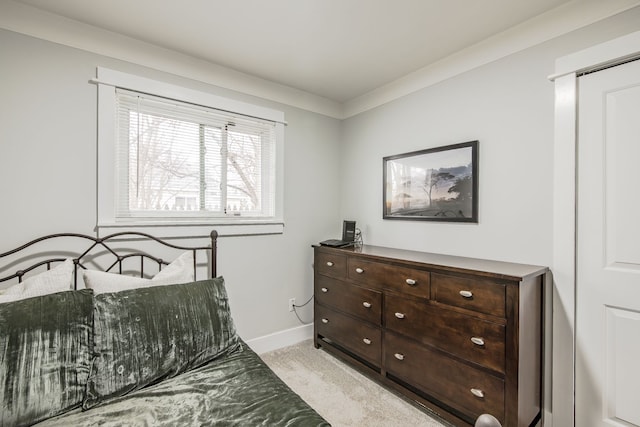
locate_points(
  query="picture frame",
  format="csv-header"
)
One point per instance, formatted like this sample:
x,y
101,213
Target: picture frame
x,y
435,184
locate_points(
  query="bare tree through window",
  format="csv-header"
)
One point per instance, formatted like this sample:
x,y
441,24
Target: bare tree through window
x,y
179,165
160,168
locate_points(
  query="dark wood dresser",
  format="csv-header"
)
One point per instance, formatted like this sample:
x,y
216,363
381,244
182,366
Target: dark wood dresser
x,y
459,336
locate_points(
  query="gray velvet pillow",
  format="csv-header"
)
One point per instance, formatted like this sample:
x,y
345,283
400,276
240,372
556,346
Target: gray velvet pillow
x,y
144,335
44,355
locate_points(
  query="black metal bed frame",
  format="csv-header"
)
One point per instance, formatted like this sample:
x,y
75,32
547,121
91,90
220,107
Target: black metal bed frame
x,y
106,243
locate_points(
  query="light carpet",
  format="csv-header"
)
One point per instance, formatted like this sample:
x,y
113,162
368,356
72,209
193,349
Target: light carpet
x,y
343,396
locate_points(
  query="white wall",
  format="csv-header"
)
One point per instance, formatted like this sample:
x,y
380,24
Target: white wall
x,y
48,175
508,106
333,169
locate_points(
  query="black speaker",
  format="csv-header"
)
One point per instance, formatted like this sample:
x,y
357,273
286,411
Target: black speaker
x,y
348,231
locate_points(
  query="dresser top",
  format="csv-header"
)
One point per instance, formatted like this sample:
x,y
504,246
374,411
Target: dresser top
x,y
490,268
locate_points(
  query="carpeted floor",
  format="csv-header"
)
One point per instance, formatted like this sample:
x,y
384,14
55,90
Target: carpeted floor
x,y
343,396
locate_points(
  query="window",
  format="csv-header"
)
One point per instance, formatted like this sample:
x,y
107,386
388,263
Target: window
x,y
178,160
186,161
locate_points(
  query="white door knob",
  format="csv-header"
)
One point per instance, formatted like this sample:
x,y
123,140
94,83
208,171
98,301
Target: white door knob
x,y
476,392
477,340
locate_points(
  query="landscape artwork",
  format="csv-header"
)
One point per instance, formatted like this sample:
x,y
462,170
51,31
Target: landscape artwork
x,y
436,184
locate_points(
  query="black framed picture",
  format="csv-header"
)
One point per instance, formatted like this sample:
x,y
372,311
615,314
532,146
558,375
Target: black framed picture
x,y
436,184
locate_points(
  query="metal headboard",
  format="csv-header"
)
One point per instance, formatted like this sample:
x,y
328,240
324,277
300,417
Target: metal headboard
x,y
107,244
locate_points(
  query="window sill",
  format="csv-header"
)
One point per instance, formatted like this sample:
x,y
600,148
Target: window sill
x,y
164,230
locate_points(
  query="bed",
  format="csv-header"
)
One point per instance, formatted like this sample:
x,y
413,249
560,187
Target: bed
x,y
110,334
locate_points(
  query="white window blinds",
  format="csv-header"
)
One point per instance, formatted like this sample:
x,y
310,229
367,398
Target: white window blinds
x,y
179,160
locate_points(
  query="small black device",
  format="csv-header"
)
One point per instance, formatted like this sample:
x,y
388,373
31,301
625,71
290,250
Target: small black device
x,y
348,231
348,236
335,243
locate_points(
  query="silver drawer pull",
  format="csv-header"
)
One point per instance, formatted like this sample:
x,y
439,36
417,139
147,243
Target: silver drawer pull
x,y
359,270
367,341
325,320
410,282
325,290
476,392
466,294
367,304
400,315
329,264
477,340
399,356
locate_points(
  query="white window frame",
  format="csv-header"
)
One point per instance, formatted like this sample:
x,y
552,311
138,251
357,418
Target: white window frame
x,y
107,222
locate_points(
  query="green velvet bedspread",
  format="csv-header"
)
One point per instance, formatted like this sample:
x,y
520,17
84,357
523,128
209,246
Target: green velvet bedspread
x,y
235,390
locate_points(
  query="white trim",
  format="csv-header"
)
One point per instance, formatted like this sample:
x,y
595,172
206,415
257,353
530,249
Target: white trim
x,y
613,51
564,213
195,229
564,202
108,77
108,81
34,22
281,339
554,23
26,19
106,160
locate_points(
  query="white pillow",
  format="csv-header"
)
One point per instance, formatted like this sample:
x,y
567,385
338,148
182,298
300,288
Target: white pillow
x,y
179,271
58,279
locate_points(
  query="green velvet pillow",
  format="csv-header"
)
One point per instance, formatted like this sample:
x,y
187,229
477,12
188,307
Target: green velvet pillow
x,y
144,335
44,355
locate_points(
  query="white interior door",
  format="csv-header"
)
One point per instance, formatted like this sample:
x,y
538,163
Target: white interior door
x,y
608,249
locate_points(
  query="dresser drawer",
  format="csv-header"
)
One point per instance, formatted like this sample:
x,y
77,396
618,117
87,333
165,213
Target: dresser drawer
x,y
476,294
469,390
381,275
358,337
331,264
355,300
467,337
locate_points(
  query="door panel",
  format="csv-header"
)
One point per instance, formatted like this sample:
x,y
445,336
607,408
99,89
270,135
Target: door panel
x,y
622,356
622,151
608,248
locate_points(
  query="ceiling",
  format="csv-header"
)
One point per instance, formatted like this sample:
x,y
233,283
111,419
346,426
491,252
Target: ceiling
x,y
336,49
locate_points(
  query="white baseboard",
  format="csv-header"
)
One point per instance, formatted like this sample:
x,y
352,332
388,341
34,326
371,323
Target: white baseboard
x,y
281,339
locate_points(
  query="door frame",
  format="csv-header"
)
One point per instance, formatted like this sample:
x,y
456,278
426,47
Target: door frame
x,y
567,70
